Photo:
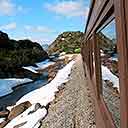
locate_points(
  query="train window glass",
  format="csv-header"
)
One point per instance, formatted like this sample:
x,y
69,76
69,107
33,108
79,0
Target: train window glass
x,y
106,39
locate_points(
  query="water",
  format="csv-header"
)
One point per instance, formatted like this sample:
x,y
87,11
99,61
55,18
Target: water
x,y
115,55
20,91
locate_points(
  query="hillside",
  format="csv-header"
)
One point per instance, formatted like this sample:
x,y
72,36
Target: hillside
x,y
106,44
14,54
68,42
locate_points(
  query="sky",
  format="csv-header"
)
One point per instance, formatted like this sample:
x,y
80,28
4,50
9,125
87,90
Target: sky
x,y
42,20
110,30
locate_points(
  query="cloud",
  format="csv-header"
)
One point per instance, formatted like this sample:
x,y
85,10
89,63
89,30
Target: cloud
x,y
41,40
8,8
37,29
35,38
68,8
10,26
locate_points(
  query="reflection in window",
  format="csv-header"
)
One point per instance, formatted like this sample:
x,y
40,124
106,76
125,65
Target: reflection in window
x,y
109,68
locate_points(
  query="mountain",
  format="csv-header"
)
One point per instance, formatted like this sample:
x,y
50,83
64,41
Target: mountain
x,y
106,44
45,46
68,42
15,54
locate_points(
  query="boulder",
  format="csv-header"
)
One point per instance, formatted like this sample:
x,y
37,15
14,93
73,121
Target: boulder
x,y
4,113
17,110
3,124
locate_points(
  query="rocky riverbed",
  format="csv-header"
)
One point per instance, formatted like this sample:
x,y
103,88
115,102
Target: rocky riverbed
x,y
52,70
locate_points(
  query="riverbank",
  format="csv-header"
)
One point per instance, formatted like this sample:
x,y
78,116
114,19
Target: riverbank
x,y
65,102
13,89
73,106
38,99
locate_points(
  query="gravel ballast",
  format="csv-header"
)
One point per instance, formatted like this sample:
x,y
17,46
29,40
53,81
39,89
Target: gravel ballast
x,y
73,106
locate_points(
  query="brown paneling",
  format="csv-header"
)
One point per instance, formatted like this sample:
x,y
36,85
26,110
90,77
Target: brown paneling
x,y
94,13
107,117
103,13
99,119
97,72
103,116
94,17
121,25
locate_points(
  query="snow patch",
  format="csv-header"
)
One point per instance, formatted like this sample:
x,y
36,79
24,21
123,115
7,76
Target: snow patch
x,y
31,68
6,85
1,120
69,56
41,65
114,59
29,120
44,64
108,75
44,95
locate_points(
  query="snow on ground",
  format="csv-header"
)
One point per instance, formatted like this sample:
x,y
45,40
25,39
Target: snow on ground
x,y
6,85
47,63
108,75
30,120
1,120
41,65
70,56
44,64
31,68
114,59
44,95
102,52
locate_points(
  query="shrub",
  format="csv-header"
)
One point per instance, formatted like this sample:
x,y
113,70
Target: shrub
x,y
77,50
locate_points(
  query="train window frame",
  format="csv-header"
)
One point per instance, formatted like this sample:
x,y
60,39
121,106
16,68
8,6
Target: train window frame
x,y
108,10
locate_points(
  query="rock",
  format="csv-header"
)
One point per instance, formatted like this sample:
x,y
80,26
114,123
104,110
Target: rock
x,y
50,79
3,40
4,113
114,67
51,75
66,60
62,54
24,73
3,124
20,125
17,110
37,106
109,83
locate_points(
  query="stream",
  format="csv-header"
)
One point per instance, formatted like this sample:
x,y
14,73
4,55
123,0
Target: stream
x,y
20,91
